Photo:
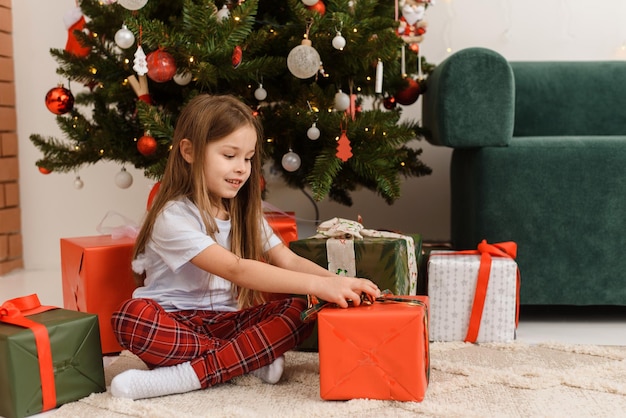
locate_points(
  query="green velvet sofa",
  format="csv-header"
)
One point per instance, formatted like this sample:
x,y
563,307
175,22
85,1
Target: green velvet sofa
x,y
539,156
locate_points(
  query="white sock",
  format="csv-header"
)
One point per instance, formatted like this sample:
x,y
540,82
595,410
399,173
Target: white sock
x,y
272,372
140,384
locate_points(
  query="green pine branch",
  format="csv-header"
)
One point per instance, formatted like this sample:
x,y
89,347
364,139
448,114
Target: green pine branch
x,y
108,118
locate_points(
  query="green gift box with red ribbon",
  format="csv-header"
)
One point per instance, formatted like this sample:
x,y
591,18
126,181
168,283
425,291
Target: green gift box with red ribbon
x,y
48,357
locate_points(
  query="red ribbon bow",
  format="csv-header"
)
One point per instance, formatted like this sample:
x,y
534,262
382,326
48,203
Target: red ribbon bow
x,y
9,310
13,312
506,249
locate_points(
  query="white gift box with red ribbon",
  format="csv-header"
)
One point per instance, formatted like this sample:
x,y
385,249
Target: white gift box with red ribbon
x,y
464,307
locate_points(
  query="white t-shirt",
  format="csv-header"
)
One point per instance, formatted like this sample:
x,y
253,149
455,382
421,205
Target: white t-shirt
x,y
171,280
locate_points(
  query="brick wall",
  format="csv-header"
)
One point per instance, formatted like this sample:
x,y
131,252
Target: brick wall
x,y
10,220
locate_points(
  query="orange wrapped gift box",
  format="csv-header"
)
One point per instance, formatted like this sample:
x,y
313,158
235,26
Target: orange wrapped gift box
x,y
377,351
284,225
97,278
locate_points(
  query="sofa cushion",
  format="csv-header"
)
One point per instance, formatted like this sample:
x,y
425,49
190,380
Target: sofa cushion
x,y
565,98
562,200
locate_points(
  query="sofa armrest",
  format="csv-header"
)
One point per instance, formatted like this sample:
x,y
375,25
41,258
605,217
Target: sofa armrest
x,y
470,100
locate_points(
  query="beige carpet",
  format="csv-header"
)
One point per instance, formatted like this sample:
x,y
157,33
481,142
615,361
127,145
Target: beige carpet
x,y
488,380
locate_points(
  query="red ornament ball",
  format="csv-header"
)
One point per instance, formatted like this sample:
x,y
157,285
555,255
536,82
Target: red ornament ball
x,y
44,170
146,145
410,93
318,7
161,66
389,103
59,100
237,56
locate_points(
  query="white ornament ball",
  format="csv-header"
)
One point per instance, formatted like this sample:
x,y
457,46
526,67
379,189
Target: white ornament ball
x,y
223,13
78,183
342,101
313,132
291,161
260,93
124,38
132,4
304,61
123,179
182,79
310,2
339,42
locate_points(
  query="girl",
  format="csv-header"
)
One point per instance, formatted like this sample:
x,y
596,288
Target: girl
x,y
205,257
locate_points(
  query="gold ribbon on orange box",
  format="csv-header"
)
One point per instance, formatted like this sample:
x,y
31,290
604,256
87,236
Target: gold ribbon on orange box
x,y
507,249
14,312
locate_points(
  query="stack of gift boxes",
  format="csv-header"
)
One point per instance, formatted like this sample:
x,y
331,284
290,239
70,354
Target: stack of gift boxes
x,y
378,350
381,350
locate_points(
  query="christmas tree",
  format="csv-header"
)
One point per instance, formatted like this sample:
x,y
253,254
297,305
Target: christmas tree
x,y
308,68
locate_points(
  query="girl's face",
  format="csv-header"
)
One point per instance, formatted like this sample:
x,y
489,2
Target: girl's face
x,y
227,162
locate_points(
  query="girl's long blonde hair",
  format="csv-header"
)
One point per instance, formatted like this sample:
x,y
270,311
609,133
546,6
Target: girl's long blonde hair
x,y
207,118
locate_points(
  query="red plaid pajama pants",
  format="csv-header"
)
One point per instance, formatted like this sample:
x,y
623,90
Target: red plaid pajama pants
x,y
219,345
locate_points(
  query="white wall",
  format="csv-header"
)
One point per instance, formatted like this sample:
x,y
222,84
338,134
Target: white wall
x,y
52,208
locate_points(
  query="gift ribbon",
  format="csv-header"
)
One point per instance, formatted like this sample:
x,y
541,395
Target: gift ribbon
x,y
13,312
340,246
126,228
486,251
315,304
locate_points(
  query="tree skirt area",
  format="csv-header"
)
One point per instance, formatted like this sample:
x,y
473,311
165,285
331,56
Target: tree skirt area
x,y
466,380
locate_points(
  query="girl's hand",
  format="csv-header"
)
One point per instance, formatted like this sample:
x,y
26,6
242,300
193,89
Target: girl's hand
x,y
340,290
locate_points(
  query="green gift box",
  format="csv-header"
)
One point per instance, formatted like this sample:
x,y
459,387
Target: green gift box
x,y
76,361
384,260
